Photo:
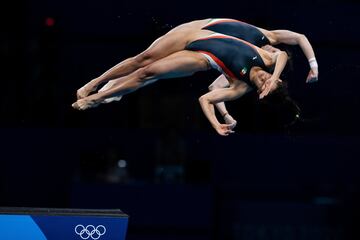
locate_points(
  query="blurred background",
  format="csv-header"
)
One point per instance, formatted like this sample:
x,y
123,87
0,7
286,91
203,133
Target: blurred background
x,y
153,154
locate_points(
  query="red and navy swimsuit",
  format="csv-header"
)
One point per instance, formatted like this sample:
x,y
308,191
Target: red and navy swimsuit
x,y
234,56
238,29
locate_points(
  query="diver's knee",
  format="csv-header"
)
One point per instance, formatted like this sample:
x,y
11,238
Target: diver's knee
x,y
144,57
146,73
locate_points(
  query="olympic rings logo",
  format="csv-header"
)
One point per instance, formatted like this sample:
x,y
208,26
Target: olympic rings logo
x,y
90,231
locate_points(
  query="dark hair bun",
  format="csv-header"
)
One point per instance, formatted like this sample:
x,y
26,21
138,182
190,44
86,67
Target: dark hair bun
x,y
279,107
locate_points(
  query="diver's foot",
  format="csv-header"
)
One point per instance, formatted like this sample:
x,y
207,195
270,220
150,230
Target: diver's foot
x,y
230,120
86,103
85,90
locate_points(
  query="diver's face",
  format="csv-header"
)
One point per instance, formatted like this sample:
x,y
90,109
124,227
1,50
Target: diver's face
x,y
270,48
261,77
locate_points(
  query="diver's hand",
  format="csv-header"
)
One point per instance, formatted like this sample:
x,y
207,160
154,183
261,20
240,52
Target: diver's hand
x,y
312,76
224,129
267,86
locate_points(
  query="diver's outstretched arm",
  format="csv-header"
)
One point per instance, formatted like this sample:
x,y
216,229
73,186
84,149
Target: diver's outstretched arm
x,y
293,38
